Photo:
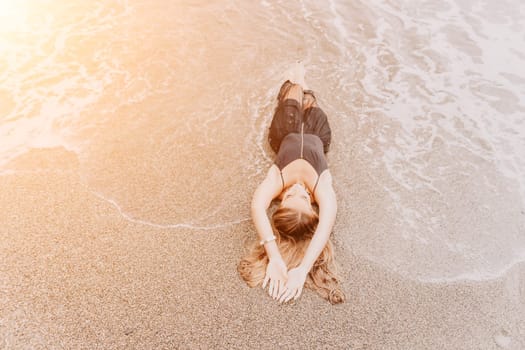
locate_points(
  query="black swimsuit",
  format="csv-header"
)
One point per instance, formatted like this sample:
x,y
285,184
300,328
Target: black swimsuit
x,y
297,136
302,146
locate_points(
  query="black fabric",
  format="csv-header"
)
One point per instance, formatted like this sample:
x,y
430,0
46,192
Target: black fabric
x,y
312,151
287,119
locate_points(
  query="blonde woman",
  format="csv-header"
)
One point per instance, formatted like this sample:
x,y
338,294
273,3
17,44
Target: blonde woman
x,y
295,251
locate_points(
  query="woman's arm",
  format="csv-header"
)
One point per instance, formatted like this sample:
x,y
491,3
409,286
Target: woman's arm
x,y
276,272
326,199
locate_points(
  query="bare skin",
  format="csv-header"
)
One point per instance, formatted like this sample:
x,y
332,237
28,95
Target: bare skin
x,y
299,179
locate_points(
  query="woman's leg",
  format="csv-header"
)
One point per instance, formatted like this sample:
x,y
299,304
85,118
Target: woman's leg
x,y
309,100
295,93
316,121
288,115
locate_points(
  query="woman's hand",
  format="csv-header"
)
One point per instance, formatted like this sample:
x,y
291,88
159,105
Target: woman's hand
x,y
294,285
276,275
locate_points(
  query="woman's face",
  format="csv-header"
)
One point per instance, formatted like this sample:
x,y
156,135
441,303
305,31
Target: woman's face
x,y
297,197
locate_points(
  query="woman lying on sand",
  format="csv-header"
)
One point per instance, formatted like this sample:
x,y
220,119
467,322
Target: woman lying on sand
x,y
297,252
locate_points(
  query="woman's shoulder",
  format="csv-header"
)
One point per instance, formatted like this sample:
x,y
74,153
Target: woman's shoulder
x,y
325,178
274,179
274,172
324,184
268,189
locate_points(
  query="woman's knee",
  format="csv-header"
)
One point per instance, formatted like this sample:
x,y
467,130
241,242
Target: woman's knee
x,y
295,93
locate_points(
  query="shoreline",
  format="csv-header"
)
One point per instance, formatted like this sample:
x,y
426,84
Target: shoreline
x,y
77,274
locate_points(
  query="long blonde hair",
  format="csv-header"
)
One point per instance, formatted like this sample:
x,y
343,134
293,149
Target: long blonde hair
x,y
294,230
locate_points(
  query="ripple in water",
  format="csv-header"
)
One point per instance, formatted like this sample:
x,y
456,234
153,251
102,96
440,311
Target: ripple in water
x,y
166,106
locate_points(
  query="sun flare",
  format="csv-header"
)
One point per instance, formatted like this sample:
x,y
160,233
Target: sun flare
x,y
12,14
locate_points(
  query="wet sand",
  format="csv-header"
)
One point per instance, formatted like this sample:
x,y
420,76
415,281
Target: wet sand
x,y
76,274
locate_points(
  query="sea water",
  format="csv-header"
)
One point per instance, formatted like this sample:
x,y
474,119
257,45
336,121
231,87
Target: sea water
x,y
165,107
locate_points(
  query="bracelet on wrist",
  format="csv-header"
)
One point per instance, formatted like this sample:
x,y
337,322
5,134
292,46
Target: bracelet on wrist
x,y
267,240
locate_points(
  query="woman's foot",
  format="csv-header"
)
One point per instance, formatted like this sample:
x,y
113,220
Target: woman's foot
x,y
296,73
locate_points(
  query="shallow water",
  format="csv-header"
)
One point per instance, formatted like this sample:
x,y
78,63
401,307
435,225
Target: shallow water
x,y
164,106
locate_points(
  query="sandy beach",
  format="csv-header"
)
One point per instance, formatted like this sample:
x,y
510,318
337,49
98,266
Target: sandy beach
x,y
76,274
133,135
